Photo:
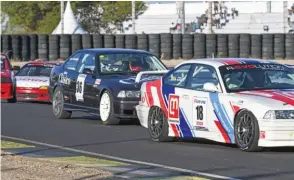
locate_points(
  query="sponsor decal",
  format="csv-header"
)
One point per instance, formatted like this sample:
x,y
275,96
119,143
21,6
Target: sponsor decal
x,y
200,128
262,135
97,82
63,79
199,111
174,108
291,134
256,66
33,80
132,79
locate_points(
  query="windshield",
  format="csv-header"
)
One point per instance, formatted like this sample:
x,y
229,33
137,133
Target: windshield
x,y
257,77
128,62
31,70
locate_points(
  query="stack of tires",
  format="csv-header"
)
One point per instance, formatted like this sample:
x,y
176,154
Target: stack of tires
x,y
245,44
267,46
76,42
7,44
43,46
142,42
177,46
256,46
131,41
109,41
154,44
97,41
119,41
65,46
234,45
34,47
222,45
199,46
166,46
289,46
211,45
53,47
25,47
87,41
16,47
279,46
187,46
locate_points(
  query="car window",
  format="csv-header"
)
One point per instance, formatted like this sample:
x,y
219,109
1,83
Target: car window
x,y
35,71
129,62
88,61
201,75
23,71
178,77
72,62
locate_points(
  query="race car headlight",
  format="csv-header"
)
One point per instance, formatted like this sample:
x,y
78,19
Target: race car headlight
x,y
129,94
43,87
279,114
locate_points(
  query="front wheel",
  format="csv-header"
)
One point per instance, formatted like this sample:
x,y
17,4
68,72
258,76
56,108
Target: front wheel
x,y
58,105
247,131
106,109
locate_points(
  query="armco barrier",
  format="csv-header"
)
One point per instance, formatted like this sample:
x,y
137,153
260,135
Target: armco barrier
x,y
167,46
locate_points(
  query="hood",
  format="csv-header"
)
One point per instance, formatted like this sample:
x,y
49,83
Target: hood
x,y
31,81
128,81
273,98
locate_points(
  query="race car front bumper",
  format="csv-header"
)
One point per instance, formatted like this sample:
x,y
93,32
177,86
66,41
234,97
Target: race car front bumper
x,y
32,94
125,109
276,133
6,90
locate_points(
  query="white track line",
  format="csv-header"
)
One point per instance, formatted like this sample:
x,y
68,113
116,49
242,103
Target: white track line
x,y
121,159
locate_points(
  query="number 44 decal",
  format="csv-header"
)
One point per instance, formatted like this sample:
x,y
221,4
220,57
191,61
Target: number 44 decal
x,y
199,111
80,87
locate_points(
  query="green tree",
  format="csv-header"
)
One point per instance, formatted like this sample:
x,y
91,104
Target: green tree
x,y
44,16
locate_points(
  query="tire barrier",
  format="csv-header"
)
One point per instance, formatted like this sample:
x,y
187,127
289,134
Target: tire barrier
x,y
167,46
87,41
109,41
154,44
256,46
34,47
222,45
25,47
210,45
233,44
65,46
142,42
187,46
43,46
54,47
16,47
245,43
131,41
177,46
279,46
199,46
289,46
267,46
119,41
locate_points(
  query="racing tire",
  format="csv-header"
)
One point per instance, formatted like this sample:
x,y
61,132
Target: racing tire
x,y
106,109
246,131
156,114
58,99
13,99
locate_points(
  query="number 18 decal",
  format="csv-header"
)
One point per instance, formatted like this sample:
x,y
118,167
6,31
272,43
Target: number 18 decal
x,y
199,111
80,87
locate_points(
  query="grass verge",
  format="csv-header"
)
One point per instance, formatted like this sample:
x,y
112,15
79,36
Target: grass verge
x,y
9,144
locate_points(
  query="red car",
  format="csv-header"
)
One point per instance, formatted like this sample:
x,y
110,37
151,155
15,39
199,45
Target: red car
x,y
32,81
7,80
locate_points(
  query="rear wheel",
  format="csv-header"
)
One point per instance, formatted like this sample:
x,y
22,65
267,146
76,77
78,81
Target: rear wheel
x,y
58,105
158,125
106,109
13,99
247,131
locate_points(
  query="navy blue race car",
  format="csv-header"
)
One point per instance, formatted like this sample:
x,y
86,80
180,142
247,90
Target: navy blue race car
x,y
105,82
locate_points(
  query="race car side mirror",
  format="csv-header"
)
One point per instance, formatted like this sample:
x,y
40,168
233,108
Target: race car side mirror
x,y
210,87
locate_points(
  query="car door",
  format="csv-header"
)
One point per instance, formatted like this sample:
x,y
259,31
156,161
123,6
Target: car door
x,y
201,100
178,98
69,77
86,80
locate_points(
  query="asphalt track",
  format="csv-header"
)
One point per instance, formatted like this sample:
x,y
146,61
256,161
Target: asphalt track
x,y
34,121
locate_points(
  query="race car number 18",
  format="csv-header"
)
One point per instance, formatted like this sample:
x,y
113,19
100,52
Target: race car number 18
x,y
80,87
199,111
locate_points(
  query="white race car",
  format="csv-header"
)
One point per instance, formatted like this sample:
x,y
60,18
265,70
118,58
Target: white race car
x,y
238,101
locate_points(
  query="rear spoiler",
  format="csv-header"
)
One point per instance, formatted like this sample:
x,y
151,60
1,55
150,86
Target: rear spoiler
x,y
140,74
